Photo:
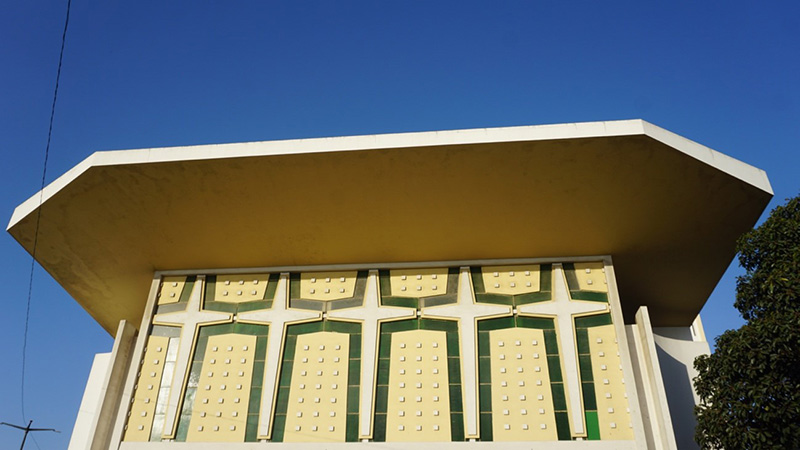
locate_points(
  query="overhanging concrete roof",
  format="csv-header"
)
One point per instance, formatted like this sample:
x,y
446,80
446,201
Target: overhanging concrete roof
x,y
667,209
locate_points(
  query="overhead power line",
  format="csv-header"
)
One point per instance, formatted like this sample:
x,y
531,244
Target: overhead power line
x,y
36,230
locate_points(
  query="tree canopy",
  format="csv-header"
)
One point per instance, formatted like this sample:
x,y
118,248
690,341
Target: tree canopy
x,y
749,388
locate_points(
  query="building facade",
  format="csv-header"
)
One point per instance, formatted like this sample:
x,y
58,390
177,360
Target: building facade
x,y
531,287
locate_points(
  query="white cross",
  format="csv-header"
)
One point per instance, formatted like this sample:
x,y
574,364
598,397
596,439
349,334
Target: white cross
x,y
371,315
468,312
191,319
565,312
278,317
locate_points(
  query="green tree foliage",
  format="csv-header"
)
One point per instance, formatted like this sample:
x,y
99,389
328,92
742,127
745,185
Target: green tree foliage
x,y
749,387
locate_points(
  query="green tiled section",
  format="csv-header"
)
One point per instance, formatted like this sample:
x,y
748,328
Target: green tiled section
x,y
575,291
544,294
585,365
553,362
562,426
592,426
453,371
593,321
449,296
182,300
353,376
356,299
265,303
261,332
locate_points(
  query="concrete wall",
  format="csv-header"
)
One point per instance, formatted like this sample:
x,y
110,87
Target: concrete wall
x,y
677,347
90,404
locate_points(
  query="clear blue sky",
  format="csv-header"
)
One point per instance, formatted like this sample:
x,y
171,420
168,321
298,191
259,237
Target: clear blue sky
x,y
154,73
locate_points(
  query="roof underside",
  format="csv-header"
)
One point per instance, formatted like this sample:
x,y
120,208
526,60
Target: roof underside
x,y
666,209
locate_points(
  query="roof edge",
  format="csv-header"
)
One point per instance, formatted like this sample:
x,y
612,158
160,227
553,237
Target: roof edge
x,y
580,130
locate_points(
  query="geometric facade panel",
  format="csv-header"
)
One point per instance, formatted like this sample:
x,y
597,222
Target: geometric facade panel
x,y
506,353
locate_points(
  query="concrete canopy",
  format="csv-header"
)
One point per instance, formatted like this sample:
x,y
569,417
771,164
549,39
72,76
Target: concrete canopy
x,y
667,209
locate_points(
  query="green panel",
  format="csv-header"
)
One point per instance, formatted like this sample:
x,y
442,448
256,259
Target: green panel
x,y
287,369
379,433
454,369
384,345
551,342
485,397
303,328
351,433
253,306
352,399
353,371
484,370
401,302
589,296
476,273
278,427
272,286
554,368
540,323
496,324
562,425
220,306
381,399
251,329
455,398
187,289
453,345
495,299
545,277
294,285
383,374
589,397
448,326
211,283
559,399
251,432
583,341
261,348
531,297
457,427
258,374
572,279
355,346
282,401
483,343
593,321
585,363
486,427
337,326
399,325
385,282
592,426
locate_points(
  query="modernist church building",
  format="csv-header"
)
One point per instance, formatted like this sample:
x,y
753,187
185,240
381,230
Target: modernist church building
x,y
519,288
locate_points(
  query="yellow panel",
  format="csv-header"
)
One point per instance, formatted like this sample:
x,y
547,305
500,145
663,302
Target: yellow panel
x,y
591,276
419,394
327,286
140,421
419,282
171,288
522,402
613,411
317,410
223,391
240,288
511,280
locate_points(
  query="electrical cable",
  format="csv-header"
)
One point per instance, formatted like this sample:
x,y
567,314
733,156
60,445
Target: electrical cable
x,y
39,215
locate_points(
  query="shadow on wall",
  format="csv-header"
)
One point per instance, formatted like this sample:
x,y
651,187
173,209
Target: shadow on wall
x,y
680,397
